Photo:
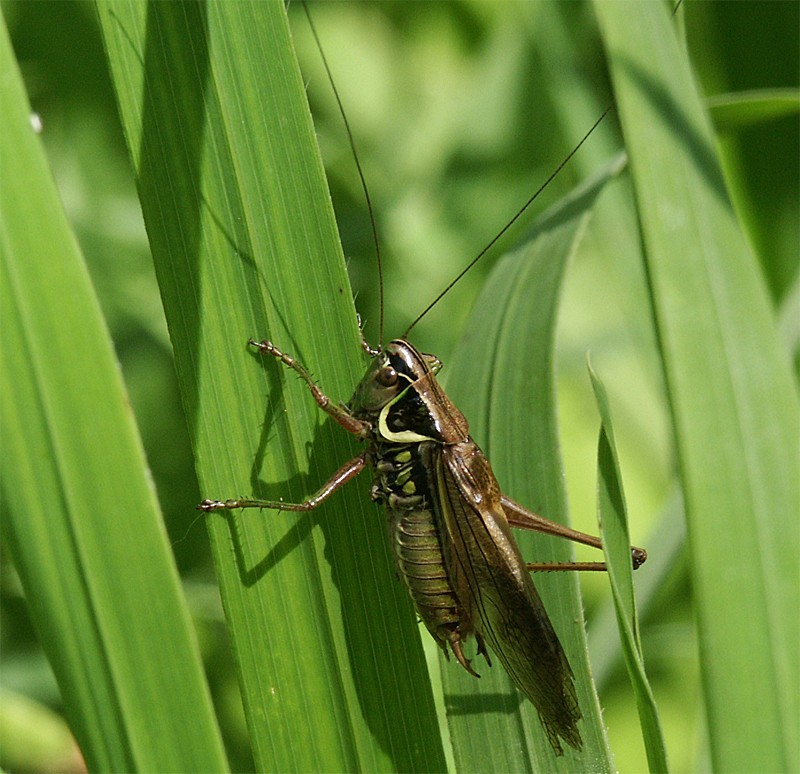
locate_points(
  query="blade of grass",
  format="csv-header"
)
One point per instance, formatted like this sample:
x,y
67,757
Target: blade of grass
x,y
669,537
79,510
734,406
510,404
245,244
733,111
613,521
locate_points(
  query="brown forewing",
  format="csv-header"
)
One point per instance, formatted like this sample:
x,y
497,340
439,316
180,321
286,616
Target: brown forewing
x,y
487,571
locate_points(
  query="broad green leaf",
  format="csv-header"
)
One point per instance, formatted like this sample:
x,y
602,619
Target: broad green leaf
x,y
733,402
79,511
244,242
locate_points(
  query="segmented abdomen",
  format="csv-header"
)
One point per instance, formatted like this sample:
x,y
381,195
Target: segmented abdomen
x,y
418,554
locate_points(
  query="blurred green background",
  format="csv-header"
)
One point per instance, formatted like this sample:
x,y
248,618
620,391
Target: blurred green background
x,y
459,111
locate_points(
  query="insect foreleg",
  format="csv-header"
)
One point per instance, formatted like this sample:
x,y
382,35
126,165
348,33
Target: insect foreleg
x,y
347,472
338,412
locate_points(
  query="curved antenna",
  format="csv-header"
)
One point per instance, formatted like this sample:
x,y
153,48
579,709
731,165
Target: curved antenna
x,y
519,213
358,167
510,223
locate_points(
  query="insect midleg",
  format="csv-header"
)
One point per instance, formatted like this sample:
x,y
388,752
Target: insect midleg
x,y
566,566
346,473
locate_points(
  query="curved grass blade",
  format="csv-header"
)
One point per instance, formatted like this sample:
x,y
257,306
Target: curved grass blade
x,y
669,536
613,521
744,108
244,242
510,403
733,401
79,511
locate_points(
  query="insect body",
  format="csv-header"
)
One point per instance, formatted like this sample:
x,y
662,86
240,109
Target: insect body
x,y
450,535
449,526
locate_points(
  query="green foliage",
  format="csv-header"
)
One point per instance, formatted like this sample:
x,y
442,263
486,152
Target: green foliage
x,y
80,515
732,401
459,112
613,522
244,243
517,338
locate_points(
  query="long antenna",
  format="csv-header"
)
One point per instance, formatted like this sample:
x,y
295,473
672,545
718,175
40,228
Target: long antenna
x,y
358,167
491,244
521,210
510,223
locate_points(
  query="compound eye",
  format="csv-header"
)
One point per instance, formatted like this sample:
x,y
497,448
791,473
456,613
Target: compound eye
x,y
387,376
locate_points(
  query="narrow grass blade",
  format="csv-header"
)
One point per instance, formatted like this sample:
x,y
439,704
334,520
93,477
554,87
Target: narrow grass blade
x,y
732,111
245,245
613,521
668,540
733,401
510,402
79,511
